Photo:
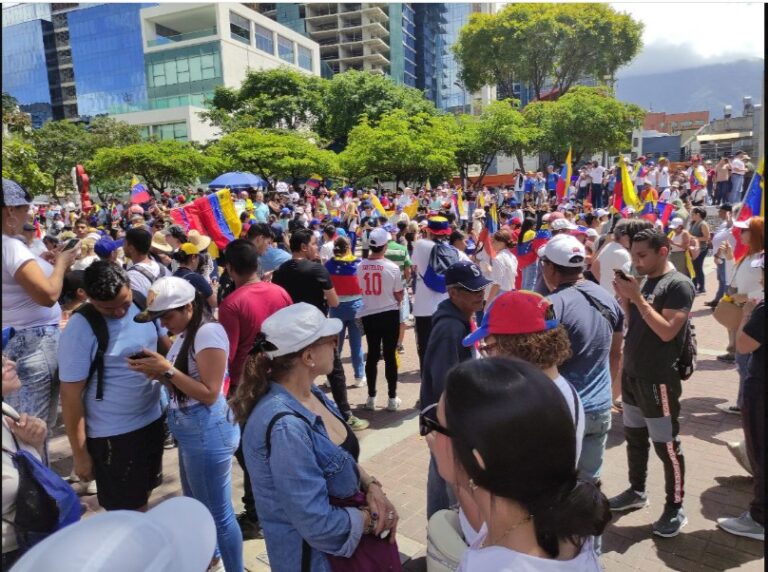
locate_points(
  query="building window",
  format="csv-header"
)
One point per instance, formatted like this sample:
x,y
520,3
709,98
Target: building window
x,y
305,58
265,41
240,28
285,49
170,131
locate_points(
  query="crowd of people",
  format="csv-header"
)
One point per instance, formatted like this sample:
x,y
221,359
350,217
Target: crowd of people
x,y
533,317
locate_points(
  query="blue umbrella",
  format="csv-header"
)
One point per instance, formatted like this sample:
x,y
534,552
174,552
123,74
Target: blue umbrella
x,y
237,180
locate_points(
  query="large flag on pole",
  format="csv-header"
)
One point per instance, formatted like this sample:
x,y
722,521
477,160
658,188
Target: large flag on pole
x,y
753,205
565,177
628,193
139,192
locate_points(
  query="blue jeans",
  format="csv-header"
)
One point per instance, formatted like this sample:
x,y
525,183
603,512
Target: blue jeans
x,y
698,267
347,312
742,365
722,281
737,183
529,277
34,351
207,438
439,493
596,427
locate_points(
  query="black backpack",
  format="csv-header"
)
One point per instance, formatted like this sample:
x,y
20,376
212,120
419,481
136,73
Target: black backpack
x,y
686,363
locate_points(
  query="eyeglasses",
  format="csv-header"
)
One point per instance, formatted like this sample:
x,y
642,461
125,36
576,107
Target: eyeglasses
x,y
427,424
487,349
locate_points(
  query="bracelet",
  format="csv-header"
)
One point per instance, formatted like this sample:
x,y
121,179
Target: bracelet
x,y
367,528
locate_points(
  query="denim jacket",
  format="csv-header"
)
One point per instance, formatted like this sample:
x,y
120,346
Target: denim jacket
x,y
292,486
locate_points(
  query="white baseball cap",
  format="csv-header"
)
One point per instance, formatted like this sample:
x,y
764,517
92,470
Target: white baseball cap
x,y
295,327
165,294
562,224
564,250
592,233
676,222
600,213
178,534
378,237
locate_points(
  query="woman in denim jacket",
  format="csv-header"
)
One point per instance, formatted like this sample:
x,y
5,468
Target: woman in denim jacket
x,y
298,450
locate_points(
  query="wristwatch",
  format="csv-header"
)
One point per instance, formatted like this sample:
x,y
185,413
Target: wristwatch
x,y
169,374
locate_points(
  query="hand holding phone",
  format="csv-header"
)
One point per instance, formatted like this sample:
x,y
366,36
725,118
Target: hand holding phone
x,y
621,274
139,355
71,244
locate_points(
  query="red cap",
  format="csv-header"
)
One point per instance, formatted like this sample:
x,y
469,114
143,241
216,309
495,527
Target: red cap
x,y
514,313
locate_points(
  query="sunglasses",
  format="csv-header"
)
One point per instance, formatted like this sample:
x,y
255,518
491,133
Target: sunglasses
x,y
427,424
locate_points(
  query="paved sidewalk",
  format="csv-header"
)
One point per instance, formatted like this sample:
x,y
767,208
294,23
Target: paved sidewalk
x,y
716,485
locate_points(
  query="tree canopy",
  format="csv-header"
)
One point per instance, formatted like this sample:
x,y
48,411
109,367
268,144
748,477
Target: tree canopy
x,y
13,117
60,146
272,154
402,146
20,163
588,119
538,43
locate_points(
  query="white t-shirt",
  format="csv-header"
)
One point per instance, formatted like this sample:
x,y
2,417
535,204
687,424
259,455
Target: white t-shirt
x,y
576,408
326,251
500,559
663,177
210,335
140,282
597,174
665,195
379,280
20,311
611,257
738,167
425,300
504,270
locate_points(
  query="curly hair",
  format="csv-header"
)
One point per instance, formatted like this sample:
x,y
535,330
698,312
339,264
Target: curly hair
x,y
542,349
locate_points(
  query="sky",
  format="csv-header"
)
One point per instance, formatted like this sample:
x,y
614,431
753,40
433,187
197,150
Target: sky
x,y
679,35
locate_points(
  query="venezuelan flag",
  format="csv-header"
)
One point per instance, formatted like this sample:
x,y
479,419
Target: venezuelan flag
x,y
377,206
314,181
411,209
565,177
753,205
627,188
139,192
649,212
343,273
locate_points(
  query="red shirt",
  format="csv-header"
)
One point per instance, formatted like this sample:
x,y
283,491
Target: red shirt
x,y
241,314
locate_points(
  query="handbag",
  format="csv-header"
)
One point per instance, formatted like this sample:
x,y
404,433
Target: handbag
x,y
728,314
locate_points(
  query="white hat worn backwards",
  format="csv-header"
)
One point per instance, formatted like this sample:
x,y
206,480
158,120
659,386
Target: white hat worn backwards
x,y
676,222
564,250
297,326
378,237
562,224
178,534
165,294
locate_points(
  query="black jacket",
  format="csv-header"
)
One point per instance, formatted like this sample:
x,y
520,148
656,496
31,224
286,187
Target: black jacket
x,y
444,350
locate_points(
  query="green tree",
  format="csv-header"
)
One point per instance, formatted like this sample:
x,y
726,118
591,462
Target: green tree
x,y
354,94
280,98
60,146
402,146
273,154
13,117
588,119
20,163
110,132
534,43
161,165
500,128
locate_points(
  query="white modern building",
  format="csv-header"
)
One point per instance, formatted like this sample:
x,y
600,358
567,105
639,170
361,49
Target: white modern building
x,y
190,49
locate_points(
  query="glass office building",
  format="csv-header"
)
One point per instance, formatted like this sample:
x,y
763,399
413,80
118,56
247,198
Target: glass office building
x,y
108,58
25,67
454,96
430,50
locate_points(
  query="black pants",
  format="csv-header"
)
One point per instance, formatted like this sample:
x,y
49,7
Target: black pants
x,y
651,410
338,382
248,502
382,329
423,329
753,421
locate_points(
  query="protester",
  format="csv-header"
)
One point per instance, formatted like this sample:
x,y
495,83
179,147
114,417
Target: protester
x,y
31,289
398,253
535,512
699,231
723,234
301,455
504,267
657,314
382,289
198,416
451,323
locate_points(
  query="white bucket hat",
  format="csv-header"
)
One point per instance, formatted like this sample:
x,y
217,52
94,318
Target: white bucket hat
x,y
295,327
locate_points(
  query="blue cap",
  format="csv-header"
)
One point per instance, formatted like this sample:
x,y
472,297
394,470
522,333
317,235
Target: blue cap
x,y
314,221
336,220
106,246
342,232
285,210
467,275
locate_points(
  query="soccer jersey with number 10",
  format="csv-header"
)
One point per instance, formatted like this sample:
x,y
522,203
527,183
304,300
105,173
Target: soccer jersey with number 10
x,y
379,280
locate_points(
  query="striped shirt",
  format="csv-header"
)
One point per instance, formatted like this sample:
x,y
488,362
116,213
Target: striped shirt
x,y
398,254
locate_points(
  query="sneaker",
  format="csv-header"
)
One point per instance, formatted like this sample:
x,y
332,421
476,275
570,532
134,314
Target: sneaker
x,y
357,424
743,525
401,349
727,358
249,526
711,303
360,381
732,409
169,442
739,452
627,500
370,403
393,404
670,523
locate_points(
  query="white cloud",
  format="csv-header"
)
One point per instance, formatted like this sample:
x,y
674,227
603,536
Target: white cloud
x,y
714,32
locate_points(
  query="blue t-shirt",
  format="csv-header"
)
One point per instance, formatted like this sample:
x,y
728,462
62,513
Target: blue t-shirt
x,y
552,179
528,186
131,400
272,259
588,368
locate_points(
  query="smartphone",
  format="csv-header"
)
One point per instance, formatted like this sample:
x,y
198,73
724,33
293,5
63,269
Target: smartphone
x,y
8,412
71,244
620,274
138,355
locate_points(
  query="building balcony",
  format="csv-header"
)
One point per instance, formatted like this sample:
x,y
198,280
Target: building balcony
x,y
376,44
346,8
321,14
375,13
193,35
376,29
313,28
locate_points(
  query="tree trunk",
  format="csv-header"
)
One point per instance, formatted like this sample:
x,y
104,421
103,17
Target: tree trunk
x,y
520,159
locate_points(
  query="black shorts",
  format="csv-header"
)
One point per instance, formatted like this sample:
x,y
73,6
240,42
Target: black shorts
x,y
127,467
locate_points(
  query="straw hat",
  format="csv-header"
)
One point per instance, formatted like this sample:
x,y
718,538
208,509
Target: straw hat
x,y
201,241
159,242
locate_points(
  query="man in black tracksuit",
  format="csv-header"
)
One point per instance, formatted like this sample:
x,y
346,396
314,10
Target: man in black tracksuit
x,y
650,383
450,325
